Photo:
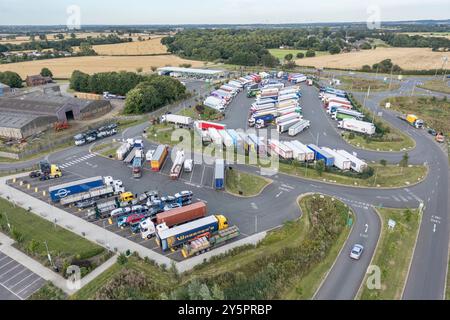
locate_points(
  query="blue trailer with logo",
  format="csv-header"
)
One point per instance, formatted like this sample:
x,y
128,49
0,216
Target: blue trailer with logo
x,y
320,154
61,191
177,236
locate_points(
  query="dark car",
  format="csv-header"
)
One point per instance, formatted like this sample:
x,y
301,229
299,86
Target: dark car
x,y
432,132
34,174
85,204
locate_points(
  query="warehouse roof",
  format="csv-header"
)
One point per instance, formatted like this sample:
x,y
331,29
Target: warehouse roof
x,y
17,121
191,70
39,103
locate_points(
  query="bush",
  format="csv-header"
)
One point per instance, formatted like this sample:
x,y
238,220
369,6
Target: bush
x,y
122,259
310,53
11,79
300,55
45,72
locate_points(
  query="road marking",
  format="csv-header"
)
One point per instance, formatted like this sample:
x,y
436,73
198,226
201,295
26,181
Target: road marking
x,y
396,199
24,269
1,284
279,194
403,198
4,273
38,279
254,206
31,274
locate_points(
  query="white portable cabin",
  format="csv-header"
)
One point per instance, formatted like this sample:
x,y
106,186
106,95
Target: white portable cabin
x,y
357,164
340,161
309,154
297,153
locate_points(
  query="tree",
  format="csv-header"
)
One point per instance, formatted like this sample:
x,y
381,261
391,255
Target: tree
x,y
290,65
300,55
335,49
73,36
86,49
45,72
320,167
288,57
366,68
310,53
11,79
153,68
405,160
365,46
383,162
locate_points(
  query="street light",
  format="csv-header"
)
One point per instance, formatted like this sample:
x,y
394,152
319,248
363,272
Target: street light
x,y
445,59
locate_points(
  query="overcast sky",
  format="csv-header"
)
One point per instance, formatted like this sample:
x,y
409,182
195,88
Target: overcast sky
x,y
51,12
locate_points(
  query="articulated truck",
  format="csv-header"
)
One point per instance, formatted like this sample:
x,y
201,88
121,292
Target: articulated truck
x,y
357,126
413,120
67,189
176,237
177,167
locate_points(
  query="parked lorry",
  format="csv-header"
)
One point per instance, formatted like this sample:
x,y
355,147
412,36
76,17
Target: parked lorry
x,y
215,103
226,138
357,164
321,154
46,171
266,119
357,126
63,190
278,148
342,114
159,157
177,119
123,151
215,136
297,153
204,244
413,120
309,154
177,166
299,127
176,237
341,162
94,194
138,163
285,126
172,218
219,174
205,125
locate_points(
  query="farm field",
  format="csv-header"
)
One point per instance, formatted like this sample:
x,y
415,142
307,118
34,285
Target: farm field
x,y
63,67
146,47
429,34
281,53
406,58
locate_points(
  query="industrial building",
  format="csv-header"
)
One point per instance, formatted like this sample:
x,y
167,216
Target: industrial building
x,y
25,114
192,73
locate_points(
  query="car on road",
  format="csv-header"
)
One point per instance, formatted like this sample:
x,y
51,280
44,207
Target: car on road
x,y
432,132
120,212
356,252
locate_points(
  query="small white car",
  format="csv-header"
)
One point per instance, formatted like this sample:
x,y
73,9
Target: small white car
x,y
120,211
188,165
356,252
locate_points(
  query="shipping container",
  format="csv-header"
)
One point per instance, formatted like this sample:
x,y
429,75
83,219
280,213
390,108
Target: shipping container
x,y
181,215
159,157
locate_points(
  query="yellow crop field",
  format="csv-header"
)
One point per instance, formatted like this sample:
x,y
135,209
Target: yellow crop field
x,y
406,58
152,46
63,67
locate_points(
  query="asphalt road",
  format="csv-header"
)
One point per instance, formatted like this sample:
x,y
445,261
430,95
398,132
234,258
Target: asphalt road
x,y
427,276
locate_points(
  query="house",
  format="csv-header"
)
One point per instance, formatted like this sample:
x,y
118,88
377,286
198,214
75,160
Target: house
x,y
37,80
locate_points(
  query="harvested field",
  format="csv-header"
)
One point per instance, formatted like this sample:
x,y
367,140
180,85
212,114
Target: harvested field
x,y
406,58
63,67
146,47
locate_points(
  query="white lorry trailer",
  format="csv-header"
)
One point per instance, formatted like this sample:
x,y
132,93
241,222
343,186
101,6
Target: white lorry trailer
x,y
309,154
284,126
177,119
297,153
340,162
299,127
357,164
357,126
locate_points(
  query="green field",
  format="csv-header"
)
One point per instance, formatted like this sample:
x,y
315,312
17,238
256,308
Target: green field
x,y
394,253
248,184
359,84
393,141
281,53
437,85
288,264
31,231
435,112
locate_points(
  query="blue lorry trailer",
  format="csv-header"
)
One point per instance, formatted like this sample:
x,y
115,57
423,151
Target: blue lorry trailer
x,y
63,190
322,155
219,174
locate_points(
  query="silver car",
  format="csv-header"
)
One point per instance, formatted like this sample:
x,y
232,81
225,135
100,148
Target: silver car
x,y
356,252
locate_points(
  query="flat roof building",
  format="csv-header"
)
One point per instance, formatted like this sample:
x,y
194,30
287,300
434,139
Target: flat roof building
x,y
194,73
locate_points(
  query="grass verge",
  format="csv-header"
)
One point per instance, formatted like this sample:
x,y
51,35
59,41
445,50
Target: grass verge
x,y
360,84
436,85
273,269
48,292
244,184
388,176
394,253
393,141
66,248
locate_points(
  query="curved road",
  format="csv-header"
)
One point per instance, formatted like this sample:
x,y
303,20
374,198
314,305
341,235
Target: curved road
x,y
429,266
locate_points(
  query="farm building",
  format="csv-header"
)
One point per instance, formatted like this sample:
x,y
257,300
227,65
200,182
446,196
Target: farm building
x,y
192,73
19,126
4,89
37,80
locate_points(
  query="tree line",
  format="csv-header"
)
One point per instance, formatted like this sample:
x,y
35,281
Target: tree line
x,y
144,93
62,45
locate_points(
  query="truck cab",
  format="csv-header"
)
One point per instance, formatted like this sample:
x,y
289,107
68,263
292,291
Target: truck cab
x,y
126,197
222,221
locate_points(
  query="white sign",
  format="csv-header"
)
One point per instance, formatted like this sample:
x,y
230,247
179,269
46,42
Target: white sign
x,y
391,224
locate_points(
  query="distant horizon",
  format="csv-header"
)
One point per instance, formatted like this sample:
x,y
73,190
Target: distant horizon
x,y
215,12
